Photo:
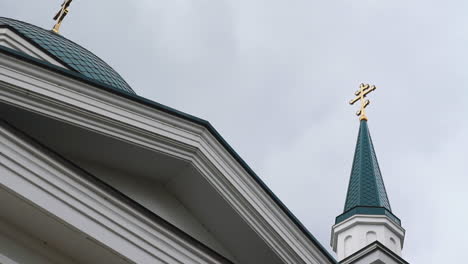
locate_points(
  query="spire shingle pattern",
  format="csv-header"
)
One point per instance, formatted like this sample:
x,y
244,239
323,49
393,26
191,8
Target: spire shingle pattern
x,y
366,189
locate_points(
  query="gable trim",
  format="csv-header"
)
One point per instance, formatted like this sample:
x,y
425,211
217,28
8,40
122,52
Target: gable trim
x,y
374,246
93,207
12,39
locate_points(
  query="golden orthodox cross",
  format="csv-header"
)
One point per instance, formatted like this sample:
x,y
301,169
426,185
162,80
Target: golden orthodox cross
x,y
61,15
364,89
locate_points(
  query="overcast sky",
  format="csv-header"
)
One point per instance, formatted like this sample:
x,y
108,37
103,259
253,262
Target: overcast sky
x,y
274,78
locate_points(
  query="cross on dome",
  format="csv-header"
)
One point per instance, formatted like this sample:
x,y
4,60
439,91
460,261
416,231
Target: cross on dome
x,y
61,15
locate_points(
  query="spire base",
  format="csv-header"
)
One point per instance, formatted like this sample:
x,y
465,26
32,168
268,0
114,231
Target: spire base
x,y
358,231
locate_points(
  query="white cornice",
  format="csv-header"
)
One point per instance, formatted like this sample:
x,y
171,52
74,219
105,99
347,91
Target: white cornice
x,y
61,190
366,220
71,101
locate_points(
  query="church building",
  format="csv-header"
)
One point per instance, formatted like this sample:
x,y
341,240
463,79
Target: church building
x,y
91,172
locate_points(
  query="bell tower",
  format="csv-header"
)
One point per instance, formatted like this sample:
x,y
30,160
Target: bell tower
x,y
367,231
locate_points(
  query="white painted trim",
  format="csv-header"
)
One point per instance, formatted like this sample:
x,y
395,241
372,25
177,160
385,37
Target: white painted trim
x,y
357,226
71,101
372,254
12,40
367,219
51,185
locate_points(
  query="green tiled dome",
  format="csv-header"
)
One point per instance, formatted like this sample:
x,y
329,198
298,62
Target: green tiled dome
x,y
69,53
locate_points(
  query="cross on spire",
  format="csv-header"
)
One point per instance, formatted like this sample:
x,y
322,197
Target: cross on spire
x,y
61,15
364,89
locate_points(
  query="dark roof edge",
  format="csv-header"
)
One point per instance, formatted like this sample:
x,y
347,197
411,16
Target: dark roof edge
x,y
367,210
378,245
172,111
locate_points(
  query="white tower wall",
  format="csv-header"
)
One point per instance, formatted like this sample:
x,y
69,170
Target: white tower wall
x,y
358,231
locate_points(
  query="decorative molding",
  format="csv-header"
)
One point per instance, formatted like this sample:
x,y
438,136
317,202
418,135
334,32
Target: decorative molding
x,y
366,220
36,175
48,93
359,226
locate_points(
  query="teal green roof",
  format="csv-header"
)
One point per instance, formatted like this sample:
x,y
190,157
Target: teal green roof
x,y
69,53
366,189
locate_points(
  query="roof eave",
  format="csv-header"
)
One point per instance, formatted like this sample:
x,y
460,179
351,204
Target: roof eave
x,y
180,114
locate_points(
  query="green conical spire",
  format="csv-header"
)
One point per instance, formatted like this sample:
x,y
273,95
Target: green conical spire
x,y
366,190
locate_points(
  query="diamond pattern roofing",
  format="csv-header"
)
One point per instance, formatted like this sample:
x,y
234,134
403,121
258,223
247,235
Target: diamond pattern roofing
x,y
70,54
366,189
